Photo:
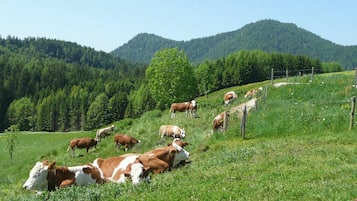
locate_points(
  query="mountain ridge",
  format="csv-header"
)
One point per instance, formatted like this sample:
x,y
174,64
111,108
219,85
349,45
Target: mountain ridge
x,y
267,35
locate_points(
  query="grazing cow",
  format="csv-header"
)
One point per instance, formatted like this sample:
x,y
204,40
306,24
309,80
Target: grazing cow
x,y
218,121
229,97
126,140
253,92
188,107
171,131
104,132
45,176
82,143
117,168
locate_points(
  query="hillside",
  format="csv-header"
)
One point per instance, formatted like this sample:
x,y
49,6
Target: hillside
x,y
266,35
37,71
297,147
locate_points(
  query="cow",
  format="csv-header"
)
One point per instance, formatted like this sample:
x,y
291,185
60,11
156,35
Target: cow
x,y
46,176
229,97
171,131
173,155
189,107
117,168
126,140
104,132
218,121
82,143
253,92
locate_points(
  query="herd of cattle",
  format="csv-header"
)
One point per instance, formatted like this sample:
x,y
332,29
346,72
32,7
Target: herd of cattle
x,y
133,166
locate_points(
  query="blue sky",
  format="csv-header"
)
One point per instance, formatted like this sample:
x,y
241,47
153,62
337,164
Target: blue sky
x,y
108,24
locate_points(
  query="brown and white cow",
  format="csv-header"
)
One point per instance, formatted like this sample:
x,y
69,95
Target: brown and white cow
x,y
126,140
171,131
137,166
117,168
229,97
104,132
46,176
82,143
253,92
189,107
218,121
174,154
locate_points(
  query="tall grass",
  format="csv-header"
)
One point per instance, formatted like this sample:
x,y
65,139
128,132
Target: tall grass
x,y
298,147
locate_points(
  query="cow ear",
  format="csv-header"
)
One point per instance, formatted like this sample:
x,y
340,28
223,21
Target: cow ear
x,y
185,144
172,151
147,170
87,170
52,165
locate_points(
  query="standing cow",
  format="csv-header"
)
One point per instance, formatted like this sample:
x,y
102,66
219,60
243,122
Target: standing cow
x,y
189,107
104,132
229,97
126,140
82,143
171,131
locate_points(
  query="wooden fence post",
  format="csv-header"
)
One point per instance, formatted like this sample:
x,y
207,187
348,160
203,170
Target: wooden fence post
x,y
312,74
242,125
272,76
287,75
355,83
352,114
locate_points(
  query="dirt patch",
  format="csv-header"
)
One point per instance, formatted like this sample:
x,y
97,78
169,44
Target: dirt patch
x,y
250,104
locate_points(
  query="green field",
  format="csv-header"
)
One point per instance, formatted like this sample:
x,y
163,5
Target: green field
x,y
298,146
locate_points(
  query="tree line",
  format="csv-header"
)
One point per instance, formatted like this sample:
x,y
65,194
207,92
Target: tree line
x,y
40,92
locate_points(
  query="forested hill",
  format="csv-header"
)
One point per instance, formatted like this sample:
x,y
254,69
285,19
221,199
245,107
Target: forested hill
x,y
69,52
266,35
53,85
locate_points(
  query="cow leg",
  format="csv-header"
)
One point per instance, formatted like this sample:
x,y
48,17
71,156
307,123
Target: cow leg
x,y
66,182
73,150
118,145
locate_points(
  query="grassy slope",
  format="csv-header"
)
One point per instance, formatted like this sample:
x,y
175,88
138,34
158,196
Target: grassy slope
x,y
298,147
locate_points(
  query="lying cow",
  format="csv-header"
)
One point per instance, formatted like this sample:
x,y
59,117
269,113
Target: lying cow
x,y
171,131
189,107
104,132
170,156
253,92
229,97
45,176
117,168
138,166
126,140
218,121
82,143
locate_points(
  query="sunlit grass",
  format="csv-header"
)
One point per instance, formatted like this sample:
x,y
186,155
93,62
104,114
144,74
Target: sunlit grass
x,y
297,147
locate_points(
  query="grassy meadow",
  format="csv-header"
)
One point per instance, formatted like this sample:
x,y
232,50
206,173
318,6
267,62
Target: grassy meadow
x,y
298,146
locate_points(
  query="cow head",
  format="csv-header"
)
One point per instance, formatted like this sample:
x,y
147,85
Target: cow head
x,y
181,154
194,103
37,179
182,133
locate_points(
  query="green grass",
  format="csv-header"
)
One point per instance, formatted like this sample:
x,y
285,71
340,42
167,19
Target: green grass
x,y
298,147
